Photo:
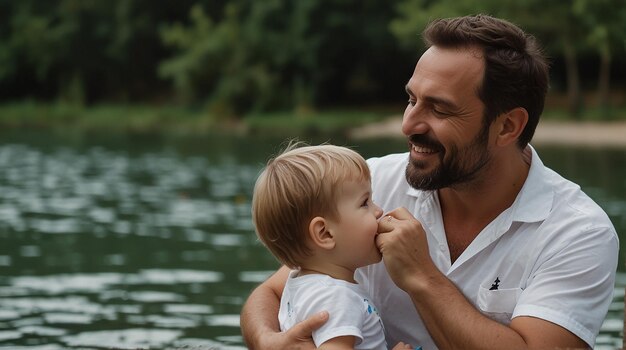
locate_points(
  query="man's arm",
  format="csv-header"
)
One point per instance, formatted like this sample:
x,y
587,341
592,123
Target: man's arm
x,y
452,321
259,318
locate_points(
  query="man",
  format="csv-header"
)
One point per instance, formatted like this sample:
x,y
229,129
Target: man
x,y
488,248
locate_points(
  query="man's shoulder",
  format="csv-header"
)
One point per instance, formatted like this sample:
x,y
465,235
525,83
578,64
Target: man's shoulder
x,y
391,165
394,158
572,204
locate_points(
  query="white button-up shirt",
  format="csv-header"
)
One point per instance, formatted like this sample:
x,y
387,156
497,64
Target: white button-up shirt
x,y
551,255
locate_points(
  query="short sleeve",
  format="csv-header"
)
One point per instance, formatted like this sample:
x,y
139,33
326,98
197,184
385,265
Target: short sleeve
x,y
347,314
572,287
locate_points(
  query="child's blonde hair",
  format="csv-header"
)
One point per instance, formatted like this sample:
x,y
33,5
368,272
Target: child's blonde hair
x,y
296,186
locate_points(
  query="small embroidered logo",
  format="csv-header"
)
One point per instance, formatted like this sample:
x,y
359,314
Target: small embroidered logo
x,y
496,284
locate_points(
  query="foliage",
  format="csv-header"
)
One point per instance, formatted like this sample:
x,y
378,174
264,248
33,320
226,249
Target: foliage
x,y
566,29
80,51
277,54
238,57
114,117
232,59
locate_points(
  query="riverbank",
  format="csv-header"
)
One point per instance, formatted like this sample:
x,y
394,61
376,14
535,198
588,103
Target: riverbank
x,y
146,118
353,123
549,132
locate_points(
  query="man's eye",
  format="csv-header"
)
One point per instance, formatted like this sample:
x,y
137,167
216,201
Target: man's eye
x,y
440,113
411,102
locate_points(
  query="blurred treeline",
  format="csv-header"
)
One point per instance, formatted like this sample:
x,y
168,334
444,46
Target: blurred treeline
x,y
237,57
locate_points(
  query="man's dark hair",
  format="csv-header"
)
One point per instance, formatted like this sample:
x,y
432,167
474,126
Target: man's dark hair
x,y
516,71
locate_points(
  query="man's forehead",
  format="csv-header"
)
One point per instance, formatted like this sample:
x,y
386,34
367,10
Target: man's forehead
x,y
450,66
460,58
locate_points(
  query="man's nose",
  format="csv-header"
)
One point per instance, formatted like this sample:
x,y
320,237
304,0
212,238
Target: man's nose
x,y
414,121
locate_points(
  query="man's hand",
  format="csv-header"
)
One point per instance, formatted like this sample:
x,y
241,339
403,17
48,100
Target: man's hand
x,y
259,318
297,337
402,242
402,346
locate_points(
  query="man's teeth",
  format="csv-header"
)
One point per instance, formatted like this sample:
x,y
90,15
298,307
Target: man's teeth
x,y
419,149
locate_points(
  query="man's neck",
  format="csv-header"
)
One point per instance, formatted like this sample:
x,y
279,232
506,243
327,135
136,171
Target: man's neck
x,y
469,208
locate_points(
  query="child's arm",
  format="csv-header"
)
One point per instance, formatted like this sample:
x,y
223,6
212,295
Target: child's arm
x,y
347,343
339,343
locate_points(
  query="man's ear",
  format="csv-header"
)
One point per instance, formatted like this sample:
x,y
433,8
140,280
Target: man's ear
x,y
510,126
320,234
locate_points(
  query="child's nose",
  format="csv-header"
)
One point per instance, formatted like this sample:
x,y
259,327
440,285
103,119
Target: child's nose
x,y
378,211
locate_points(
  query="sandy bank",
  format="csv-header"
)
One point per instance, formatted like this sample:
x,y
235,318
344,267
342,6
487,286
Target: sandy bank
x,y
595,134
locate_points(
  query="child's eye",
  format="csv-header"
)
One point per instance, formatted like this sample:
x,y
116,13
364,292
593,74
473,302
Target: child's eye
x,y
366,203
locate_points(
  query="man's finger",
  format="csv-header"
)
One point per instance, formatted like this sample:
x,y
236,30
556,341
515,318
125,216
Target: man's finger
x,y
305,328
385,224
400,213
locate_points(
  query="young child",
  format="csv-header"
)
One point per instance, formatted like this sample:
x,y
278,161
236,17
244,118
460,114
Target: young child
x,y
312,209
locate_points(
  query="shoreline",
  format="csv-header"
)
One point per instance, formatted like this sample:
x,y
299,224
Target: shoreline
x,y
594,134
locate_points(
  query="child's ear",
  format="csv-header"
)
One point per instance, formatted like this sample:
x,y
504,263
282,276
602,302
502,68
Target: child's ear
x,y
319,233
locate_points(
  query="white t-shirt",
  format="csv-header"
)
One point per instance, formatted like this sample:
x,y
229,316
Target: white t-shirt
x,y
552,255
351,311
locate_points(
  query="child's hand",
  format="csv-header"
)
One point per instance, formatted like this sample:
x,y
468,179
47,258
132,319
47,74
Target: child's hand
x,y
402,346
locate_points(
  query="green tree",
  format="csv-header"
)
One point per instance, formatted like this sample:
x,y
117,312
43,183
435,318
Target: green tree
x,y
236,62
33,41
558,28
82,51
554,22
280,54
605,28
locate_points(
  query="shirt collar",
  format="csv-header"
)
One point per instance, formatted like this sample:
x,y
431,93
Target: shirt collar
x,y
533,202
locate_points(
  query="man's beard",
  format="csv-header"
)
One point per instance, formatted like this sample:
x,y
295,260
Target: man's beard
x,y
460,167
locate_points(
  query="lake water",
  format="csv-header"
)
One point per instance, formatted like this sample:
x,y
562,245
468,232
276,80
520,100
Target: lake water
x,y
134,241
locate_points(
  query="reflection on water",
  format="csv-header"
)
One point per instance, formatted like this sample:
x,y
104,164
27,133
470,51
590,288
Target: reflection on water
x,y
125,244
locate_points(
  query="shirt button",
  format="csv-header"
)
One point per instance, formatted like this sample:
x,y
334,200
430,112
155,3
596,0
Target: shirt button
x,y
442,247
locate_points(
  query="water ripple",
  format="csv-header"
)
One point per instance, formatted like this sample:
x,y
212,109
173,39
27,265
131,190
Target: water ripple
x,y
127,249
124,339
